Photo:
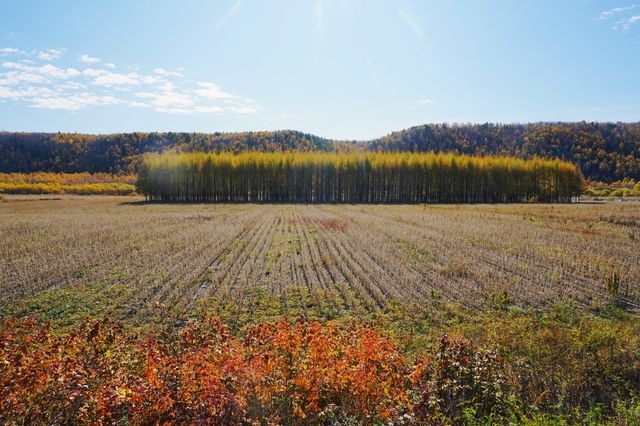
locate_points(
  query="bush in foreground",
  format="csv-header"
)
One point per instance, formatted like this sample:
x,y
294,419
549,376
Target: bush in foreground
x,y
312,373
284,373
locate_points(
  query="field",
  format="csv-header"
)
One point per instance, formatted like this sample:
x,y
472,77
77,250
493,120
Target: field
x,y
71,257
325,313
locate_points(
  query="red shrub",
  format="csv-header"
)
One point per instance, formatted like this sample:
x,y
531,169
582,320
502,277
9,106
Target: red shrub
x,y
288,373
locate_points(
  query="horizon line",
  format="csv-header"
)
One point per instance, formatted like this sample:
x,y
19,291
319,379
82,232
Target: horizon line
x,y
214,132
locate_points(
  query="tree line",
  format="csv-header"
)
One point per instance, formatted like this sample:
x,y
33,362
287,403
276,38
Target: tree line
x,y
297,177
604,152
67,183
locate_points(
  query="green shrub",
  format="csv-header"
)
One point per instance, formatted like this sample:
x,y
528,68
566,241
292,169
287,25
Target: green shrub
x,y
461,381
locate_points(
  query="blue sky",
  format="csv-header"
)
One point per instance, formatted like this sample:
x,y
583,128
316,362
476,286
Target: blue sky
x,y
352,69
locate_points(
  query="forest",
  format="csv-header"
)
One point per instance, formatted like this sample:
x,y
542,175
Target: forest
x,y
294,177
604,152
121,153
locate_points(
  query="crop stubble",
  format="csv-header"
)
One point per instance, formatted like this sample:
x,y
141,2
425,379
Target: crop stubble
x,y
327,258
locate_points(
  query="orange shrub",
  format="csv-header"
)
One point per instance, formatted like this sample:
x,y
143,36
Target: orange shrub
x,y
289,373
312,373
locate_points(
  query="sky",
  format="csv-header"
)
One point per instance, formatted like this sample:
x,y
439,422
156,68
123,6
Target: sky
x,y
344,69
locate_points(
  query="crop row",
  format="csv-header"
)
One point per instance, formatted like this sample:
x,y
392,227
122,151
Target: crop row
x,y
90,256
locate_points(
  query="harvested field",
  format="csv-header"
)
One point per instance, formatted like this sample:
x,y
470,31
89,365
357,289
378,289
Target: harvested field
x,y
88,256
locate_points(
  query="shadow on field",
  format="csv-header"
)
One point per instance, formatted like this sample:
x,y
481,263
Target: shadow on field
x,y
282,203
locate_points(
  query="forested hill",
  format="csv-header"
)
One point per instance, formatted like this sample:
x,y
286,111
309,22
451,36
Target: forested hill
x,y
603,151
121,153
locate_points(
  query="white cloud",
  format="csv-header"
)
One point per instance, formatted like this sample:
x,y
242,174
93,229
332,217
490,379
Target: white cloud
x,y
5,51
33,74
50,54
73,103
26,92
110,79
167,87
6,92
232,11
103,77
14,78
166,73
150,79
86,59
167,99
71,85
616,10
40,84
411,23
212,91
55,72
626,24
10,64
424,101
37,91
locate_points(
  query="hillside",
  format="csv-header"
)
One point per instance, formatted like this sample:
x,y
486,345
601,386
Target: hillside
x,y
604,151
120,153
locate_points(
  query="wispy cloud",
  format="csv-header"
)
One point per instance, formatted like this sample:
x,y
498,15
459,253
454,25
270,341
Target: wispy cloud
x,y
230,13
7,51
411,23
73,103
419,104
102,77
19,72
627,23
86,59
161,71
50,54
212,91
39,84
612,12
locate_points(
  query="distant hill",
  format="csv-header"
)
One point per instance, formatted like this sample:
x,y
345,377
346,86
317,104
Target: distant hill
x,y
120,153
603,151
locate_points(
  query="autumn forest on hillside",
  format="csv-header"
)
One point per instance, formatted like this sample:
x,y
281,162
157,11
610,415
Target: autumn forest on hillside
x,y
604,152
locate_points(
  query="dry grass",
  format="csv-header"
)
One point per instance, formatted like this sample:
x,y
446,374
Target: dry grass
x,y
74,256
